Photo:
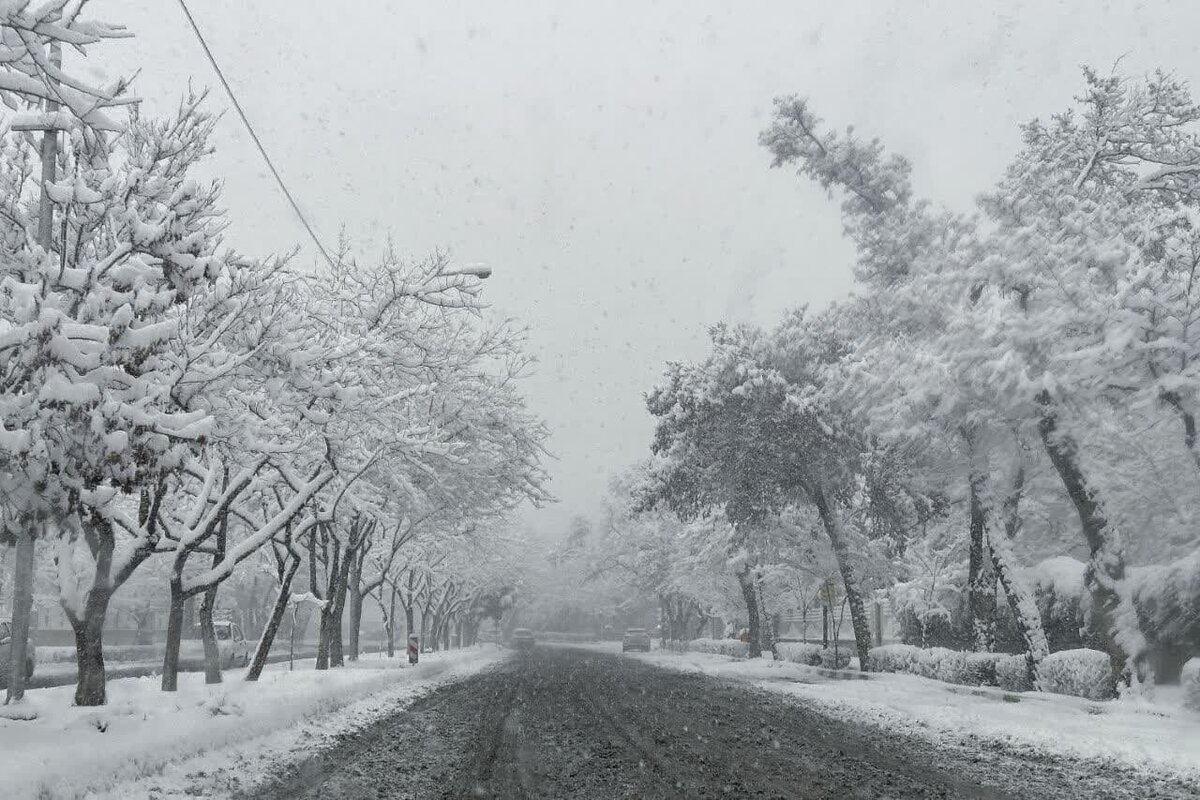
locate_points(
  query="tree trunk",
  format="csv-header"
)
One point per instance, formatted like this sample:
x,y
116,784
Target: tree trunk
x,y
324,637
700,626
768,630
1108,628
435,633
981,578
683,617
336,653
88,627
1020,599
1189,424
391,625
750,597
22,609
89,649
1024,608
354,587
23,567
841,551
208,636
425,629
170,676
329,647
356,611
273,622
212,654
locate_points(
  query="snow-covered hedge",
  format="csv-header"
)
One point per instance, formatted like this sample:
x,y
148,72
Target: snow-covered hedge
x,y
53,654
1167,598
894,658
814,655
677,645
721,647
1191,684
1012,673
981,668
835,659
939,663
1082,673
799,653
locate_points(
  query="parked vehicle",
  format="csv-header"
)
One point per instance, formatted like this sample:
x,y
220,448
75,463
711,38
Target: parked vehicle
x,y
522,639
635,639
232,648
6,654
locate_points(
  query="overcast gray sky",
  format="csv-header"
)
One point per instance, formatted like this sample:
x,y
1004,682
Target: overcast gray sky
x,y
602,157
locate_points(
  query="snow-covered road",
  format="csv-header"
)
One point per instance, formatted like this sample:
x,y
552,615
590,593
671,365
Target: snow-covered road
x,y
582,723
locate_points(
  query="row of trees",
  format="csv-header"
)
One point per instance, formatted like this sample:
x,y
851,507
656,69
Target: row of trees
x,y
167,400
1004,385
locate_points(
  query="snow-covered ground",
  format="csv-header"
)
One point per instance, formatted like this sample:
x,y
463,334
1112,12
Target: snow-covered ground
x,y
1157,736
205,740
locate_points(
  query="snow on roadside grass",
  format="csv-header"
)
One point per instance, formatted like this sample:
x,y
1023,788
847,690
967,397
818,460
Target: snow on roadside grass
x,y
112,751
1152,737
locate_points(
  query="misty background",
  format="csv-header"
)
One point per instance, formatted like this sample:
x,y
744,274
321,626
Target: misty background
x,y
602,158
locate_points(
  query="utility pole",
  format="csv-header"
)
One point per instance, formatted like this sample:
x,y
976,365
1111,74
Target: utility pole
x,y
23,568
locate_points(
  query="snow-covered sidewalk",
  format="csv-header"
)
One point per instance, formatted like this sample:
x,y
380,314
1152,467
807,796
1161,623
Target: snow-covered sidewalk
x,y
205,739
1157,737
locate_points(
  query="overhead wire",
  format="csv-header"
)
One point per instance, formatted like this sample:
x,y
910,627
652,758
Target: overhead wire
x,y
250,128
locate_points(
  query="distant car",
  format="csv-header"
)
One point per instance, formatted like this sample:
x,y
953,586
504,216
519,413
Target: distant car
x,y
232,648
6,654
635,639
522,639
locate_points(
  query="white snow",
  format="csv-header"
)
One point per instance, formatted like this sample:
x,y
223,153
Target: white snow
x,y
1083,673
728,647
1157,736
146,742
1190,684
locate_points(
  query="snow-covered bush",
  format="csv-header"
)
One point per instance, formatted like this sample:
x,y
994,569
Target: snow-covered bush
x,y
721,647
939,663
835,659
1190,678
1012,674
1082,673
924,604
964,668
929,661
677,645
814,655
1061,598
112,655
895,658
981,669
948,666
799,653
1167,598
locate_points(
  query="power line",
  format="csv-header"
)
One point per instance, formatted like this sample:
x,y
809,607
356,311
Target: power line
x,y
241,113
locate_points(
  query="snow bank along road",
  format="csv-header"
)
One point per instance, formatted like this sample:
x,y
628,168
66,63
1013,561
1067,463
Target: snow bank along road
x,y
560,722
206,740
65,674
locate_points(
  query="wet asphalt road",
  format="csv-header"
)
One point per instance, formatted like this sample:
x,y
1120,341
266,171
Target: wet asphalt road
x,y
561,723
